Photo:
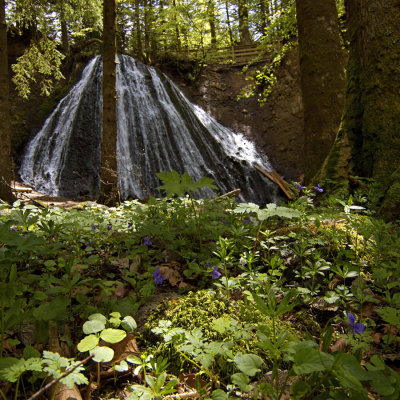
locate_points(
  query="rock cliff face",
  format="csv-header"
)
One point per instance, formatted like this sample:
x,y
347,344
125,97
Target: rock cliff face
x,y
277,127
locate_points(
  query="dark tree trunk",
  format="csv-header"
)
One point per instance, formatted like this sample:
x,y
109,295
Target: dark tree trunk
x,y
211,21
264,15
148,13
177,31
64,37
109,186
322,79
368,142
138,33
244,23
228,22
5,146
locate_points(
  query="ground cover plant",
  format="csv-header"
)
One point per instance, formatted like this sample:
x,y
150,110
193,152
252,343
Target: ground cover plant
x,y
201,298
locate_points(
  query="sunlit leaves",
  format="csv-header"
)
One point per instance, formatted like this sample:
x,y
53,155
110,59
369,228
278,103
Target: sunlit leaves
x,y
42,59
175,184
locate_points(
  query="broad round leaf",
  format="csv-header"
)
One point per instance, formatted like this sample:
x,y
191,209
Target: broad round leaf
x,y
93,326
115,314
121,367
102,354
88,343
99,317
113,335
129,324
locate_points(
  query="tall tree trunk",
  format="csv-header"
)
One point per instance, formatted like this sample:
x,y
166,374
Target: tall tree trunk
x,y
368,143
5,147
228,22
322,79
109,182
64,32
138,33
244,31
147,5
177,32
211,21
264,15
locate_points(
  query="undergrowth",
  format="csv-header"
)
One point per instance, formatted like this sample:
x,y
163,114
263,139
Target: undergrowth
x,y
299,299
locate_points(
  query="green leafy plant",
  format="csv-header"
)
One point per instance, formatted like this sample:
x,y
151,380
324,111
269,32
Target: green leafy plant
x,y
99,327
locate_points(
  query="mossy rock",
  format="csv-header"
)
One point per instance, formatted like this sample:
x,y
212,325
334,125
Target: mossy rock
x,y
232,322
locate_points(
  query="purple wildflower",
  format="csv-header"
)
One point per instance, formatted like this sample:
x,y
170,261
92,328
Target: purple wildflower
x,y
215,274
209,265
93,227
158,278
318,188
147,241
299,187
223,221
247,220
356,327
130,224
109,227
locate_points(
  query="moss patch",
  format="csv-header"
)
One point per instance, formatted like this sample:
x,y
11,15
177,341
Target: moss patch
x,y
220,320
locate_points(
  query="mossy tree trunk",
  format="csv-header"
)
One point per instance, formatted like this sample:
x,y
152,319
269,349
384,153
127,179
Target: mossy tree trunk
x,y
322,79
244,32
109,181
368,142
5,146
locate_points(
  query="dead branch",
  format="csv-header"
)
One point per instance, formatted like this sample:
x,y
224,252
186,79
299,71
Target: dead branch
x,y
52,383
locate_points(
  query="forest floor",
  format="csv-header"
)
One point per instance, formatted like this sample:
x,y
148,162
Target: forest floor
x,y
28,195
183,298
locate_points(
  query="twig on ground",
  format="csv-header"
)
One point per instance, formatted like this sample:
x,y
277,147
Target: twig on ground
x,y
187,395
52,383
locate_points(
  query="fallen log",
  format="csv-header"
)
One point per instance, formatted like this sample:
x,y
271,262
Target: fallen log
x,y
277,179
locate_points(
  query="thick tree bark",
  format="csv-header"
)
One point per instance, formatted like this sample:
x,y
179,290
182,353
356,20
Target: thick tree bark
x,y
368,143
148,16
244,31
138,32
109,182
64,33
322,79
177,30
212,22
5,145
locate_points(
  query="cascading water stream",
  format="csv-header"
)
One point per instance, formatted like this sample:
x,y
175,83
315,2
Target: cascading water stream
x,y
158,130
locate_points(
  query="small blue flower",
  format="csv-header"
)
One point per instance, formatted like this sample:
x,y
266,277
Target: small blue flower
x,y
130,224
158,278
215,274
93,227
318,188
209,265
356,327
299,187
109,227
223,221
147,241
247,220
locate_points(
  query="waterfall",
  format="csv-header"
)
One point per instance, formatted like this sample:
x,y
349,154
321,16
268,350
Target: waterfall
x,y
158,130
